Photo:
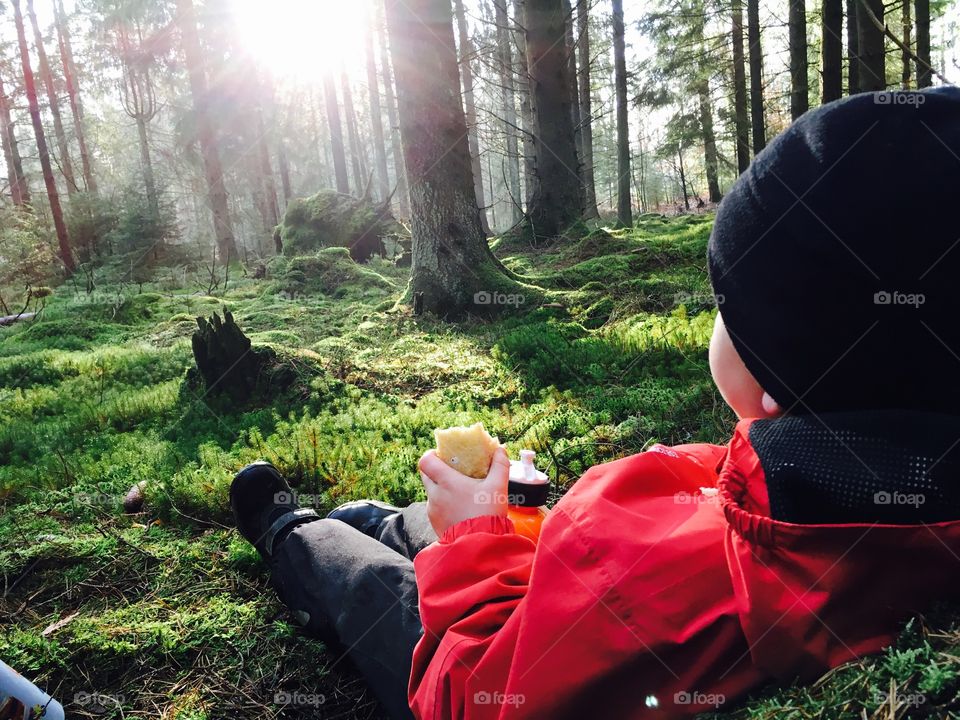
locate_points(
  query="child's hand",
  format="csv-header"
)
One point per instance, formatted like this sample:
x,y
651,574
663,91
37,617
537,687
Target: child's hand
x,y
453,496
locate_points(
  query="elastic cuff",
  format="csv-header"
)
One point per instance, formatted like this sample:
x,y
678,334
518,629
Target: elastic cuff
x,y
494,524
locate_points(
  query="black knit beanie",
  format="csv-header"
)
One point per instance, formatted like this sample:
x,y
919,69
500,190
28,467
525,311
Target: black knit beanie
x,y
835,257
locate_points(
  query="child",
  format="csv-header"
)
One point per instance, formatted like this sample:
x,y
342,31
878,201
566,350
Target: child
x,y
678,580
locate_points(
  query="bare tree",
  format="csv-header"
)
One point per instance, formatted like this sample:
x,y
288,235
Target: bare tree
x,y
139,102
799,82
758,127
624,210
505,58
872,46
336,133
526,104
470,107
63,237
73,93
402,191
376,123
924,76
217,191
741,124
586,111
46,77
451,262
853,48
832,32
357,160
19,190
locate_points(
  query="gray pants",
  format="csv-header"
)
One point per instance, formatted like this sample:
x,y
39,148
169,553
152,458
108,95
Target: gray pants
x,y
360,594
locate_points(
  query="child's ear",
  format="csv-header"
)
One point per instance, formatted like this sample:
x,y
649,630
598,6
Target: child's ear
x,y
770,406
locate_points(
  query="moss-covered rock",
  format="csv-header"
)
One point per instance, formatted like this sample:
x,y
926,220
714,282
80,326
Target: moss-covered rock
x,y
332,219
330,271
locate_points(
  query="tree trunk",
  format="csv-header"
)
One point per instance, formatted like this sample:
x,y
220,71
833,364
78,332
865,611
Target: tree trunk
x,y
505,61
924,76
46,77
872,46
466,57
832,50
853,49
574,95
683,177
284,172
624,210
149,181
586,111
193,56
557,201
376,123
336,133
709,142
526,105
906,59
741,122
272,205
757,110
357,161
453,271
73,93
799,81
19,191
63,238
402,190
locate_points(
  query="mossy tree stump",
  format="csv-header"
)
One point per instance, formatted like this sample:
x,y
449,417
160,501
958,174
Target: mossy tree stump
x,y
225,359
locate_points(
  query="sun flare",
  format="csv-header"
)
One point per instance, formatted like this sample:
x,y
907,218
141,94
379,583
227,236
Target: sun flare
x,y
301,39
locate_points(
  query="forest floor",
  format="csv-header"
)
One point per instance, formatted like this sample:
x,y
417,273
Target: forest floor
x,y
169,614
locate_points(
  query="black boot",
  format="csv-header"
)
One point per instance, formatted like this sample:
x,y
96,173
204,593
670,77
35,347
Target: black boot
x,y
364,515
264,507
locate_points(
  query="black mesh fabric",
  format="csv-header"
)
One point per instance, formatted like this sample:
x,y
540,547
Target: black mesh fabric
x,y
890,467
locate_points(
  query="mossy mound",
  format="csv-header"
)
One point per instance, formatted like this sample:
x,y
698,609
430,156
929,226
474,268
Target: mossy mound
x,y
332,219
330,271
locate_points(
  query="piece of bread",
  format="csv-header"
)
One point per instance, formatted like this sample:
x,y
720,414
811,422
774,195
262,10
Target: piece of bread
x,y
467,449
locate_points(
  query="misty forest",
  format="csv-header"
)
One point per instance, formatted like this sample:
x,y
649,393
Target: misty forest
x,y
312,231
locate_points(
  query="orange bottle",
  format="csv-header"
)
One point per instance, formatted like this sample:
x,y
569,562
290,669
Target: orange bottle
x,y
527,493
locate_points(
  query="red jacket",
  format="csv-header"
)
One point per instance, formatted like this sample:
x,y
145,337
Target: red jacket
x,y
660,587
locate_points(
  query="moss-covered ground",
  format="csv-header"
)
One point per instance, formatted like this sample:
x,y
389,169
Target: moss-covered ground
x,y
169,614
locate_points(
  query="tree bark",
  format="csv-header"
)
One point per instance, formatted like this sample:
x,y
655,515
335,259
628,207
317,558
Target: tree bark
x,y
574,95
906,58
741,123
284,172
832,50
557,201
19,190
217,191
624,210
149,181
56,211
469,104
757,110
357,161
46,77
451,263
402,189
272,204
336,133
924,76
710,158
505,61
853,49
376,123
586,111
526,105
873,72
799,81
73,93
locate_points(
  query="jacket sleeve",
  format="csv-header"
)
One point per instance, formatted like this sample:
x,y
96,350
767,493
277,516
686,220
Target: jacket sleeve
x,y
470,582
